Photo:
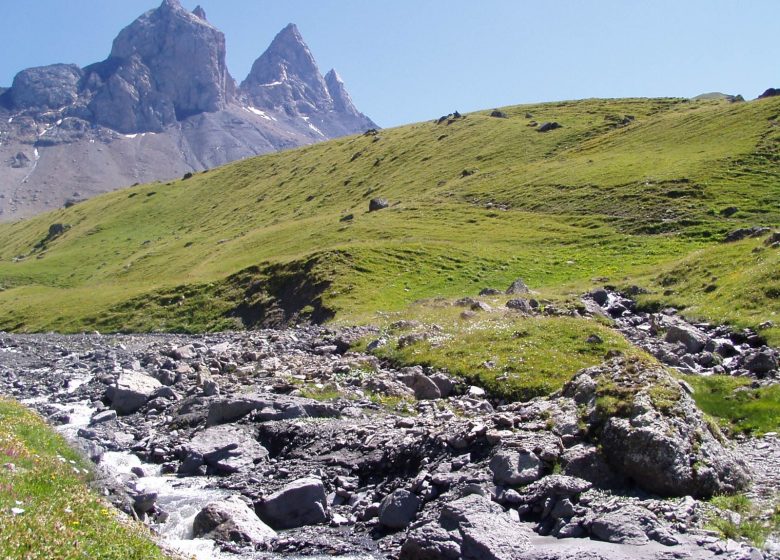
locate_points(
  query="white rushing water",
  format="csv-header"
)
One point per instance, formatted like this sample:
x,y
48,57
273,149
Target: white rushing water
x,y
180,498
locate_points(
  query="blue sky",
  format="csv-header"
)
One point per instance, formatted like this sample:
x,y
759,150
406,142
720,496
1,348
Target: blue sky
x,y
410,60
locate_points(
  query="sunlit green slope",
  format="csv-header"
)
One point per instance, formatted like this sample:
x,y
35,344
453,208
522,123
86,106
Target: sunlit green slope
x,y
626,190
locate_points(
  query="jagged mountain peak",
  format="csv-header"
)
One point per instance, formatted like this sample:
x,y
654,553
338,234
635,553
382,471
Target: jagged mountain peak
x,y
342,102
287,56
161,104
166,65
200,12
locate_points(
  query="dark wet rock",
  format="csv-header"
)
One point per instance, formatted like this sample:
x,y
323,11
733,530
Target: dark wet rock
x,y
300,503
548,126
499,114
131,391
376,204
762,362
744,233
600,296
398,509
231,520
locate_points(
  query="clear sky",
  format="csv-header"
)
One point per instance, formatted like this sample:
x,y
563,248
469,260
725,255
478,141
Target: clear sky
x,y
410,60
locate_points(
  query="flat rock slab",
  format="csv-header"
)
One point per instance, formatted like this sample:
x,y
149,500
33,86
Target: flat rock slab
x,y
267,407
223,450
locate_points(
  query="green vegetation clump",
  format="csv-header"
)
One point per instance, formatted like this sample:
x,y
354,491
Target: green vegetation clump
x,y
749,523
737,406
514,357
46,510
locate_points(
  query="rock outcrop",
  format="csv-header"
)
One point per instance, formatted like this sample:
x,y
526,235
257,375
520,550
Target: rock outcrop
x,y
651,432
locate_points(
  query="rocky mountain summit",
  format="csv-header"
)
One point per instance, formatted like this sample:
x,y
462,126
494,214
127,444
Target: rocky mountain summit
x,y
162,104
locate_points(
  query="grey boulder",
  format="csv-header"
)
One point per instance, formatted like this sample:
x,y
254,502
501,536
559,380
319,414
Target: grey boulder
x,y
267,407
398,509
300,503
423,386
693,339
131,391
518,287
511,468
231,520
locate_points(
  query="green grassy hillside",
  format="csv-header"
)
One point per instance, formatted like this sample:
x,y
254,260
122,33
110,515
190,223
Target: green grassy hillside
x,y
627,191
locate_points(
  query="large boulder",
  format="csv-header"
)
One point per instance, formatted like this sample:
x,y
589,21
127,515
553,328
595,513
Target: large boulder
x,y
431,542
762,362
300,503
423,386
221,450
231,520
398,509
650,432
513,467
131,391
693,339
471,528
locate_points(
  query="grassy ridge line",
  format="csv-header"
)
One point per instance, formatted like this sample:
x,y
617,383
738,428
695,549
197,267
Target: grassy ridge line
x,y
574,204
46,511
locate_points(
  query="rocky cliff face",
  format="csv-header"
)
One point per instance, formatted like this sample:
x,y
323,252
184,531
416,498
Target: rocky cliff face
x,y
162,103
287,79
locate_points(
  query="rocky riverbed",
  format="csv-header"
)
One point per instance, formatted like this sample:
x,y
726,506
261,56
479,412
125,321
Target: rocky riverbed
x,y
216,443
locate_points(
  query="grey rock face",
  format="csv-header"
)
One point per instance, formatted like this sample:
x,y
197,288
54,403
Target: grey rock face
x,y
286,78
398,509
131,392
184,54
297,504
231,520
46,87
